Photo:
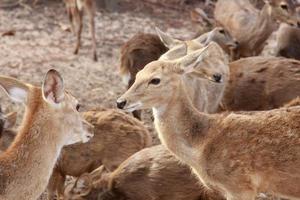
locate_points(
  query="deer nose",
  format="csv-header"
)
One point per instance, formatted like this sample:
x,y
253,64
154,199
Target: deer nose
x,y
217,77
121,103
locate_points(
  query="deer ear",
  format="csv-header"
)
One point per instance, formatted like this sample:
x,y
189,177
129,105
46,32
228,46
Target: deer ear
x,y
168,40
84,184
174,53
10,120
53,87
15,89
201,63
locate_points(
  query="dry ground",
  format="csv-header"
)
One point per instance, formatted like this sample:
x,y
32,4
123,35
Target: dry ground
x,y
40,43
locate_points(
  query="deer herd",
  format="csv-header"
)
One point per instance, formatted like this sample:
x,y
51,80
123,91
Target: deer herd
x,y
228,118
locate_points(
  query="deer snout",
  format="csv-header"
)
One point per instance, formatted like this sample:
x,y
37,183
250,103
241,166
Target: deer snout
x,y
217,78
121,103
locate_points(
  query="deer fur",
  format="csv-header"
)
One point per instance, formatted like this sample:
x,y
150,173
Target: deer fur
x,y
141,49
116,137
261,83
255,83
152,173
252,27
75,10
288,40
238,154
50,122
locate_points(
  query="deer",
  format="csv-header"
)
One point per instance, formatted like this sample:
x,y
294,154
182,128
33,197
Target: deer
x,y
152,173
144,48
250,26
116,137
261,83
255,83
238,154
75,10
288,38
138,51
51,120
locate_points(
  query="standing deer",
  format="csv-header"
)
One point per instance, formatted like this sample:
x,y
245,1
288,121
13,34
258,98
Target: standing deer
x,y
255,83
75,10
250,26
51,120
238,154
152,173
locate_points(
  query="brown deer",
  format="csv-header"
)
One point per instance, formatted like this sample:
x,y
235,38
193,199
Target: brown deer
x,y
152,173
75,10
261,83
50,122
144,48
250,26
255,83
141,49
238,154
116,137
288,42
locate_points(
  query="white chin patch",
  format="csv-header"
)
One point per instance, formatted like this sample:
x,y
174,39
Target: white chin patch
x,y
18,94
126,78
133,107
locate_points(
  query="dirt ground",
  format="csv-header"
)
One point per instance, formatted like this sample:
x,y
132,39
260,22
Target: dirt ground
x,y
40,43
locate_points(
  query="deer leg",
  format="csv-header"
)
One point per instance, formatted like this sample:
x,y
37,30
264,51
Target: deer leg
x,y
60,186
79,30
71,19
53,185
91,13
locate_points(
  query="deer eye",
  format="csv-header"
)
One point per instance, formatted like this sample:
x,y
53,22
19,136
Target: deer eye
x,y
284,6
77,107
222,31
155,81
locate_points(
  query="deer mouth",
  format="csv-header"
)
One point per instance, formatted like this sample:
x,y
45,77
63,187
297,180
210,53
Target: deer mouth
x,y
133,107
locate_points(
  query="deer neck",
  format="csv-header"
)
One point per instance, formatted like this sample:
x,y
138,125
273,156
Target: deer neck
x,y
263,27
32,155
181,128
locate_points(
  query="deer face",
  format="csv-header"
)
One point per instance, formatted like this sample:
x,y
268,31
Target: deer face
x,y
156,84
284,11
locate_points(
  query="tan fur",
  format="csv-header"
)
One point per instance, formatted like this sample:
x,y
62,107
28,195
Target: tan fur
x,y
239,154
152,173
50,122
288,40
250,26
116,137
261,83
75,10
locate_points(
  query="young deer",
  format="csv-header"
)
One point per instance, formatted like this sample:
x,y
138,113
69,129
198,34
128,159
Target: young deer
x,y
250,26
238,154
75,10
50,122
116,137
152,173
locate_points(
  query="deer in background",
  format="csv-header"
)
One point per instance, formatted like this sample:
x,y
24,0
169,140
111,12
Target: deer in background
x,y
250,26
51,121
152,173
75,10
255,83
144,48
238,154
